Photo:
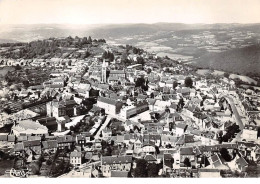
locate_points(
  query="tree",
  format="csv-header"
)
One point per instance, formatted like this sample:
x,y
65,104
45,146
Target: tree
x,y
187,162
69,62
226,75
141,168
102,112
140,82
175,84
188,82
157,150
149,70
89,39
225,154
180,104
140,60
18,67
153,170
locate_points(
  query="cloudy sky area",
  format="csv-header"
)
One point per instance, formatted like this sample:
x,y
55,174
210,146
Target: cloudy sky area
x,y
128,11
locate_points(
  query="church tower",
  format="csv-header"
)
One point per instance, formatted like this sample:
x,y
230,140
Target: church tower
x,y
104,72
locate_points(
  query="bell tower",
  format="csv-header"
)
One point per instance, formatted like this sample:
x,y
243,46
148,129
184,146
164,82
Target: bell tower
x,y
104,72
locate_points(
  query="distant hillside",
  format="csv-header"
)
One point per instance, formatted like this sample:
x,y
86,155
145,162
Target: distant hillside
x,y
26,33
244,60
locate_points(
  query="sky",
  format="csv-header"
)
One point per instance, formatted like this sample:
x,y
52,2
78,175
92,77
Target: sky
x,y
128,11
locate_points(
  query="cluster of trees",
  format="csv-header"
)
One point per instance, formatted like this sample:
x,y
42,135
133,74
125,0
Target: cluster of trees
x,y
225,154
188,82
134,49
144,169
107,149
140,60
108,55
83,126
231,131
48,48
140,82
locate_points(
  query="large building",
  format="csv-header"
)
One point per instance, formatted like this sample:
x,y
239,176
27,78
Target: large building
x,y
29,127
136,108
57,108
111,106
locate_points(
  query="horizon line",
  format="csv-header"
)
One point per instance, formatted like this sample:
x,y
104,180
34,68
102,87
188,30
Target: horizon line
x,y
130,23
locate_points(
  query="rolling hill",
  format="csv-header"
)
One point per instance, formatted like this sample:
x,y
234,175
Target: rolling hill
x,y
240,60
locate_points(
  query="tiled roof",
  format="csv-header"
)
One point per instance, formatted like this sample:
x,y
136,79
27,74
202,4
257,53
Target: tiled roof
x,y
117,72
108,100
187,151
50,144
119,174
181,125
32,143
116,160
18,147
75,154
3,137
241,162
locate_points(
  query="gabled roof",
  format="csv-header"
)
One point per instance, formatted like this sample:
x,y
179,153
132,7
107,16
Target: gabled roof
x,y
185,139
187,151
242,162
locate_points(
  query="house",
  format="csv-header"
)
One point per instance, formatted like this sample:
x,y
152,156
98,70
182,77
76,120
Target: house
x,y
168,140
168,161
19,148
76,158
161,105
185,139
148,149
32,147
187,153
81,140
137,145
66,141
136,108
250,133
11,139
181,128
106,133
152,139
115,163
58,109
50,146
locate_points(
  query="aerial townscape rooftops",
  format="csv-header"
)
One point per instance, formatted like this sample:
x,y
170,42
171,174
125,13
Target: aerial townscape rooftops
x,y
80,107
